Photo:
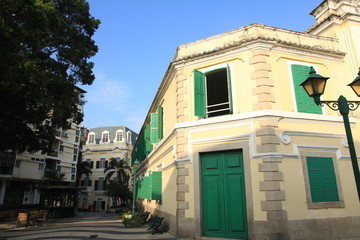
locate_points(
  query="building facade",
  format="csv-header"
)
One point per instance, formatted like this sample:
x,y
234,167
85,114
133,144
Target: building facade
x,y
102,144
232,146
23,175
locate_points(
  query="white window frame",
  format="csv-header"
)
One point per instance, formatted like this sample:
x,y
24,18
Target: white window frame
x,y
128,137
119,132
103,134
91,137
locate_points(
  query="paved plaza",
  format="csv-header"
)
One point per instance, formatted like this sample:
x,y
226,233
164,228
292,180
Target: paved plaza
x,y
82,226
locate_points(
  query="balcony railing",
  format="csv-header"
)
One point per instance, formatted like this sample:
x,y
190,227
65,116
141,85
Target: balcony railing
x,y
53,154
6,170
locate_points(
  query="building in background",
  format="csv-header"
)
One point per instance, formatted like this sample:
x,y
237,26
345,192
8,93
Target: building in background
x,y
22,176
233,147
102,144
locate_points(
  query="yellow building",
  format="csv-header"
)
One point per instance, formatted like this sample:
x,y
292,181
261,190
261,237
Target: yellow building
x,y
232,146
102,144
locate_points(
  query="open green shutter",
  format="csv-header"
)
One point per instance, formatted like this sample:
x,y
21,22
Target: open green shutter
x,y
146,187
199,91
304,103
148,145
154,138
322,178
155,185
160,122
229,88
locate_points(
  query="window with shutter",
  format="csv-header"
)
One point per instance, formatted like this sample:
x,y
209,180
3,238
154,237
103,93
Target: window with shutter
x,y
146,187
212,93
322,179
199,88
148,144
160,122
154,137
304,103
155,185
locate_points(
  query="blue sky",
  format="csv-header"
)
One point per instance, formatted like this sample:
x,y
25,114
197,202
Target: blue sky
x,y
137,39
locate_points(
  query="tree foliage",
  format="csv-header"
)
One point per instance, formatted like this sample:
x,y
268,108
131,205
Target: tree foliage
x,y
120,168
83,168
45,47
118,192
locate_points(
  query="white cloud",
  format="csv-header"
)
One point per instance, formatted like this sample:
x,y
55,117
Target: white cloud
x,y
113,95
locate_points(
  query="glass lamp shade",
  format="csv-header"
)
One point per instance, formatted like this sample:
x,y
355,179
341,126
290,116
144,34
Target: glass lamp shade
x,y
315,84
355,85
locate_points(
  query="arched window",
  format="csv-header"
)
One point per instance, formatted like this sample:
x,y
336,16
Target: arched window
x,y
119,136
91,138
128,137
105,137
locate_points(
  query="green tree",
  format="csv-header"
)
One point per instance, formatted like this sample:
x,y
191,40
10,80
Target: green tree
x,y
118,192
118,188
83,168
120,168
45,47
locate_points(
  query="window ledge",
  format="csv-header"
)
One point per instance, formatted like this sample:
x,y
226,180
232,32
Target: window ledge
x,y
318,205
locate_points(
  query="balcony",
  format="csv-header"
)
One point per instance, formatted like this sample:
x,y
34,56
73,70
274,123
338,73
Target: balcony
x,y
7,161
53,154
6,170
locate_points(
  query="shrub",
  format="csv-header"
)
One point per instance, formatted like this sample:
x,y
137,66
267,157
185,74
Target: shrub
x,y
133,221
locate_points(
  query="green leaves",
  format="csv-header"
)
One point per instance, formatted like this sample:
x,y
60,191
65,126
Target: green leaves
x,y
45,46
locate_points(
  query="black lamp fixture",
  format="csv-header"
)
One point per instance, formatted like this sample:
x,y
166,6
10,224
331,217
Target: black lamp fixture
x,y
314,85
355,85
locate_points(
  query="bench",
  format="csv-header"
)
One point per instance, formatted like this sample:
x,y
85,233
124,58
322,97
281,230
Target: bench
x,y
155,223
145,216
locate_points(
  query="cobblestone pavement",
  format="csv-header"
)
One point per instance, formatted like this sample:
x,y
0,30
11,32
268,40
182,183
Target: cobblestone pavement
x,y
82,226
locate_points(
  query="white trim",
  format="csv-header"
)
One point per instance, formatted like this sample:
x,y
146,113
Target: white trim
x,y
285,136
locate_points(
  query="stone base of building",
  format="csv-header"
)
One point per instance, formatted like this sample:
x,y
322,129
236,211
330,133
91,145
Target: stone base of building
x,y
314,229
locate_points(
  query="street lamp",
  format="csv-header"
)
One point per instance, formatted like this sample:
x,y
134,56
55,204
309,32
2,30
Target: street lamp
x,y
314,85
135,165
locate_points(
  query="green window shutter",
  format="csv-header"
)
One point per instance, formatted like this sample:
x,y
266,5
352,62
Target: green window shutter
x,y
139,189
304,103
322,178
160,122
154,138
199,91
155,185
141,147
229,88
146,187
148,144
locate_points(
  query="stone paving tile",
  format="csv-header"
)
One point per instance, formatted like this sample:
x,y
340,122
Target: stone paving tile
x,y
82,226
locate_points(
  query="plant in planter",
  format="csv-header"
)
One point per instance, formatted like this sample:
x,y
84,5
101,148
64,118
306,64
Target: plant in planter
x,y
132,220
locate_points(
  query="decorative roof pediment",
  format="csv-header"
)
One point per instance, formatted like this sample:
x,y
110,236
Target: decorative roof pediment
x,y
252,34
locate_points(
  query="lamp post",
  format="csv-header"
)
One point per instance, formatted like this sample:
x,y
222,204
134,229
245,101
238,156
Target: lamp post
x,y
314,86
135,165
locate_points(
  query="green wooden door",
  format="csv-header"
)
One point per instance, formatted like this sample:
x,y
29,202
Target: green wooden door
x,y
223,195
